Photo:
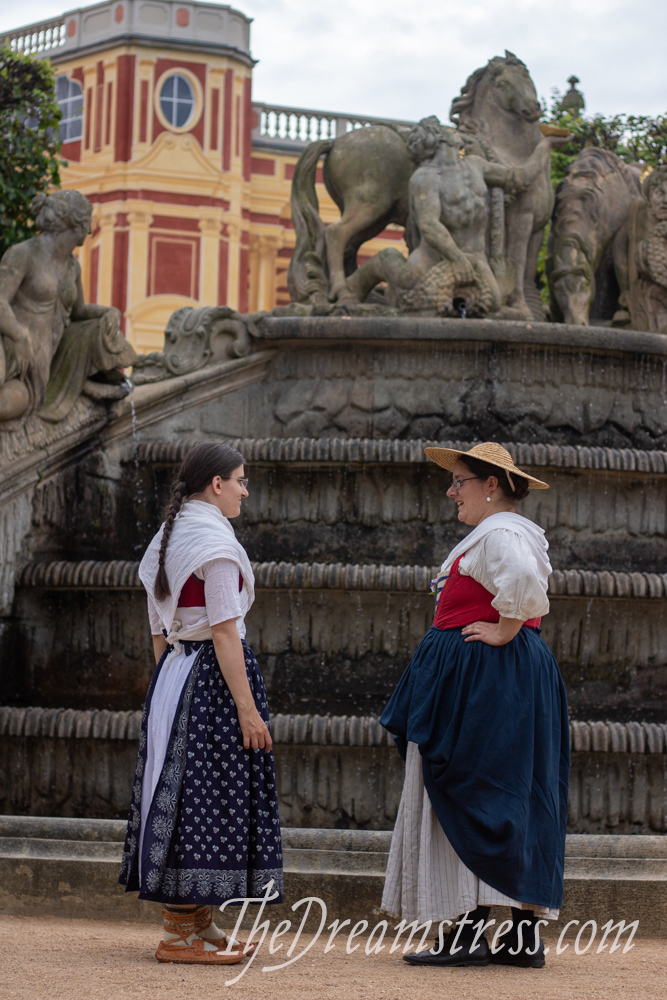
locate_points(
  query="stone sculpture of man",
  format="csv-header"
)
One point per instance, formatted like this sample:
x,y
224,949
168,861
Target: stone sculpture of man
x,y
646,294
447,228
51,342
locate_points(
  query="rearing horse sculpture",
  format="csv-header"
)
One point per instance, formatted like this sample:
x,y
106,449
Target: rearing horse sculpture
x,y
367,171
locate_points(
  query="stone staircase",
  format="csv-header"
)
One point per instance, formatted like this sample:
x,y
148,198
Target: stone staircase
x,y
346,522
69,867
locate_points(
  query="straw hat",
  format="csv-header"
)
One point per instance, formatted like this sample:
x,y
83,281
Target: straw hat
x,y
487,451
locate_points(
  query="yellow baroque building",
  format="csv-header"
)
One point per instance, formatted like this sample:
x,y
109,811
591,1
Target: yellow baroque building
x,y
189,178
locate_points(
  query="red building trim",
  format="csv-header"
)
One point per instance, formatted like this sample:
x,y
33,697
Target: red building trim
x,y
215,116
243,279
272,220
237,128
227,122
143,112
161,197
173,265
247,128
258,166
71,150
124,108
99,106
121,245
169,222
289,173
94,272
88,111
107,123
223,273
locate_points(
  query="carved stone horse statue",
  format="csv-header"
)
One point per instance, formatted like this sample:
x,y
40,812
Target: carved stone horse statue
x,y
367,171
585,262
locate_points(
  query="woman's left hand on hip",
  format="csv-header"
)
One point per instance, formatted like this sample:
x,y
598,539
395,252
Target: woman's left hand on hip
x,y
487,632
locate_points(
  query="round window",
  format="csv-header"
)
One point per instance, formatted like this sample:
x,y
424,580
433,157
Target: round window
x,y
177,100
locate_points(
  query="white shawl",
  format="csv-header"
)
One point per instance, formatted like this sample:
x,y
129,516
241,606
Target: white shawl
x,y
200,534
523,595
528,530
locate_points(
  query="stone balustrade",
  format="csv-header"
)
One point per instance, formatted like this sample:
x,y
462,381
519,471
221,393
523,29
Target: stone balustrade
x,y
35,39
285,128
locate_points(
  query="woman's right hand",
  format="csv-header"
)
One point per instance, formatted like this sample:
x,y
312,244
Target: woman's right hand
x,y
256,734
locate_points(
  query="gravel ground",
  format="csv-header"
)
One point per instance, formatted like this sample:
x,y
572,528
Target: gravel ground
x,y
49,959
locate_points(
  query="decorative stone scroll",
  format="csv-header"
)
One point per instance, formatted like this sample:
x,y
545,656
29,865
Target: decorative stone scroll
x,y
195,338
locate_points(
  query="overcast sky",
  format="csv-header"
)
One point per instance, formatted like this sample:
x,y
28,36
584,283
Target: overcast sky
x,y
409,58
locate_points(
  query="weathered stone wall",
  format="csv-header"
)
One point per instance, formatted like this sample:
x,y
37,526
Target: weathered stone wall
x,y
448,379
330,638
332,772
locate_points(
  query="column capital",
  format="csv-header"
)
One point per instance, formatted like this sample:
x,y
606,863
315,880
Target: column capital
x,y
234,231
268,244
140,219
210,227
105,220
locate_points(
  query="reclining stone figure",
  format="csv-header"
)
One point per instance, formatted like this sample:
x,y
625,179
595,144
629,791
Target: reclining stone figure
x,y
52,343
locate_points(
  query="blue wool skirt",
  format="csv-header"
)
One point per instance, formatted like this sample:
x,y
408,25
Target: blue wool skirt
x,y
492,727
212,831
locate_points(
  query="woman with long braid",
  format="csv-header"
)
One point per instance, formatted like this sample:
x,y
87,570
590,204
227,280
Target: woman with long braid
x,y
203,825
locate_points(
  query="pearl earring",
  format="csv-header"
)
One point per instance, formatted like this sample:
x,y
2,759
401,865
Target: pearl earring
x,y
488,499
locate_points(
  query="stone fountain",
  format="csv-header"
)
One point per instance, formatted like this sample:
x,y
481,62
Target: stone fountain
x,y
332,405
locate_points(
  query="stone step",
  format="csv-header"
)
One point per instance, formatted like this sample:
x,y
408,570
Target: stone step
x,y
331,638
70,867
119,574
330,770
309,730
369,451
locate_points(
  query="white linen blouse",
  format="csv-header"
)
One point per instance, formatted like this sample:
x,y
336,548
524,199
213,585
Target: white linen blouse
x,y
223,601
505,564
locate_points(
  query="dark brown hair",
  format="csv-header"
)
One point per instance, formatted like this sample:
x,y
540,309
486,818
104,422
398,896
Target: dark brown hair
x,y
201,464
485,469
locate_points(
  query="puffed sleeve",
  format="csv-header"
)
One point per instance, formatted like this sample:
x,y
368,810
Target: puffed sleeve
x,y
505,564
153,616
221,586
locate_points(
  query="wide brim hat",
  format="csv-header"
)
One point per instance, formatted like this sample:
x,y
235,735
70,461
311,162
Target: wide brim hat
x,y
487,451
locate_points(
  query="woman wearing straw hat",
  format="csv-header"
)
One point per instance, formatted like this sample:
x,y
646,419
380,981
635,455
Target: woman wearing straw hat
x,y
480,717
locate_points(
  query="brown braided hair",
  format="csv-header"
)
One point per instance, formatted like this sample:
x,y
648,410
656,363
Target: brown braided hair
x,y
199,467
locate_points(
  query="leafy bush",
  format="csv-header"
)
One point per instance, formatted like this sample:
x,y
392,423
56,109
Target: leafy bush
x,y
29,144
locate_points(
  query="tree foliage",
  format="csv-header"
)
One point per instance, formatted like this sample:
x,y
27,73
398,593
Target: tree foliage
x,y
29,143
632,137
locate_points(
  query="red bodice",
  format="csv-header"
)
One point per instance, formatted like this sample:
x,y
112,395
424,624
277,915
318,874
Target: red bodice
x,y
464,601
193,594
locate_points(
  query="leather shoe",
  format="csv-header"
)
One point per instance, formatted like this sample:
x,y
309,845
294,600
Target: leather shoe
x,y
523,960
462,956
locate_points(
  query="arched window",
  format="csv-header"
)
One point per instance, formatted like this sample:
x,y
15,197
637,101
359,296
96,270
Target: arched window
x,y
70,98
177,100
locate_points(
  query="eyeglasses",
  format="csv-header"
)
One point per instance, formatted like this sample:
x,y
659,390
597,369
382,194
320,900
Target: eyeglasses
x,y
457,483
244,482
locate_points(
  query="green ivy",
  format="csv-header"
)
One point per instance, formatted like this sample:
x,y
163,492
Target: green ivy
x,y
29,143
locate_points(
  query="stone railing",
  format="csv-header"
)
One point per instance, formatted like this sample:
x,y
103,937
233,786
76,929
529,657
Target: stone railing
x,y
283,128
123,575
310,730
35,39
367,450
